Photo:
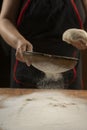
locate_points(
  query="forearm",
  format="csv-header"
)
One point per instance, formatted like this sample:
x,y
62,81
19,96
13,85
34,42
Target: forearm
x,y
9,32
11,35
85,6
8,18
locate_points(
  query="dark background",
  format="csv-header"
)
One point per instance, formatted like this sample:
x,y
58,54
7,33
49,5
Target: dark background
x,y
4,67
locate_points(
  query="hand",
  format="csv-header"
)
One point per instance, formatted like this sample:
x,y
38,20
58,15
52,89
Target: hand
x,y
22,46
76,37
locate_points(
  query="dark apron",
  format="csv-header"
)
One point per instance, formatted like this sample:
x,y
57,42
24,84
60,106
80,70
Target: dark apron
x,y
43,22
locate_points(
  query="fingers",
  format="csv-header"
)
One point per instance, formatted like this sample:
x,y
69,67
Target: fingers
x,y
81,44
29,47
19,52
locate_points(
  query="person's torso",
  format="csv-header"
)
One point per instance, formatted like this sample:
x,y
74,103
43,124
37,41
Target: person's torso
x,y
44,21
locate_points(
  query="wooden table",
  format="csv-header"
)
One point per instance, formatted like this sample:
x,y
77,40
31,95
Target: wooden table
x,y
37,109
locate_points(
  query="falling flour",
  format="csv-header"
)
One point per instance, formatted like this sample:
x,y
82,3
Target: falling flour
x,y
52,81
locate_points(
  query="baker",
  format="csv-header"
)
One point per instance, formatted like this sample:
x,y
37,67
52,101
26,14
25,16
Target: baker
x,y
38,25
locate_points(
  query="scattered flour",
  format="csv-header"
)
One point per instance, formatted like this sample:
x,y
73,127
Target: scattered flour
x,y
49,110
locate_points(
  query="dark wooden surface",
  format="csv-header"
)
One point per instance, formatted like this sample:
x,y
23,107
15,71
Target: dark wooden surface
x,y
17,92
